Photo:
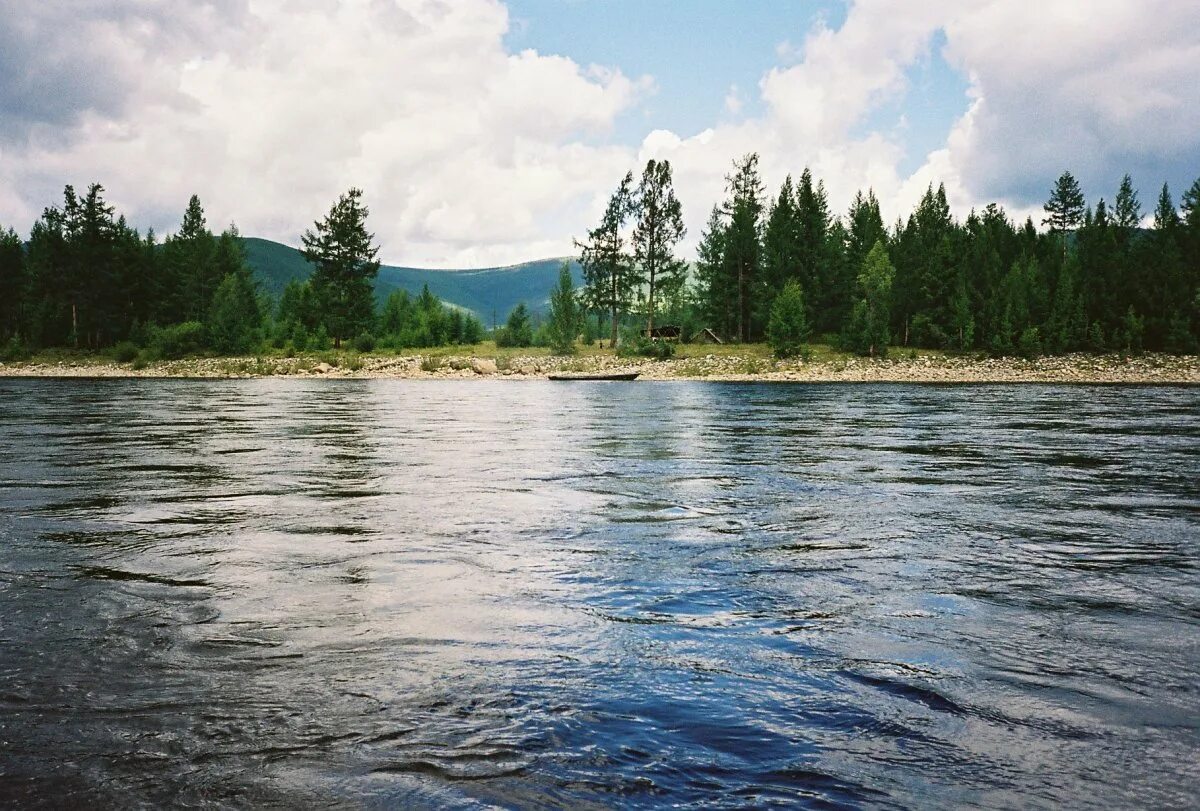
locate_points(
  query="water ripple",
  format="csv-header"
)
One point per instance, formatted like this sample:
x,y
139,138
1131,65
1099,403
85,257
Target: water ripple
x,y
412,594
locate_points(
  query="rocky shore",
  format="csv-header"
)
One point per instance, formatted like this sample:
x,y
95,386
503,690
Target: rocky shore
x,y
1144,369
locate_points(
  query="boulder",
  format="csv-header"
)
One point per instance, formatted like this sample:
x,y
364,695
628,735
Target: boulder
x,y
484,366
322,368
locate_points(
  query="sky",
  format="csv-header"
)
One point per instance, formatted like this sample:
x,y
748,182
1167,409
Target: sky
x,y
486,133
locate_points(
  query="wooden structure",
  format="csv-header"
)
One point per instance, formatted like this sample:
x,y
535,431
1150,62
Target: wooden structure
x,y
706,336
670,332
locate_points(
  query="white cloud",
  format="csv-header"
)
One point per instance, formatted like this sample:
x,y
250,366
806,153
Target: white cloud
x,y
1100,88
468,155
471,155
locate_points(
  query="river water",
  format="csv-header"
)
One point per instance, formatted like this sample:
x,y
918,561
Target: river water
x,y
459,594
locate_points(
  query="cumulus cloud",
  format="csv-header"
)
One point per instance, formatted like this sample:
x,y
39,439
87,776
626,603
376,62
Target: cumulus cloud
x,y
471,155
1100,88
468,154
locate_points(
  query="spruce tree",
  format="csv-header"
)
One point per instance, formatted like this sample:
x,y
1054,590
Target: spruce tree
x,y
788,326
1167,288
812,224
715,290
1127,211
518,329
345,266
234,317
189,260
1187,323
565,317
658,230
397,318
780,248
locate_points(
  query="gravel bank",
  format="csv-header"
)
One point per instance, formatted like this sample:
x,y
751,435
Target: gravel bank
x,y
1145,369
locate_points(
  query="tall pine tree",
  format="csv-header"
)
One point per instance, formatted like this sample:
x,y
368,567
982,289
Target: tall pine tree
x,y
345,265
658,230
608,274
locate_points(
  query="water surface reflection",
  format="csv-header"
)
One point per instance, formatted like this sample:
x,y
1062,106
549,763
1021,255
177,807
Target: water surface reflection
x,y
388,592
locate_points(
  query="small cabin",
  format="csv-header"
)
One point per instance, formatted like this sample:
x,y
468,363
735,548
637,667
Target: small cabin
x,y
670,332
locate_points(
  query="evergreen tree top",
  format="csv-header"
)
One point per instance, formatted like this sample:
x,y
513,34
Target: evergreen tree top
x,y
1064,209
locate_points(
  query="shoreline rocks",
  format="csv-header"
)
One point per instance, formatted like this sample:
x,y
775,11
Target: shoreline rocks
x,y
1151,369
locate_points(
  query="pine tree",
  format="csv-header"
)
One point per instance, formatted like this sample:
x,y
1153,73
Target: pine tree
x,y
345,263
743,238
607,268
13,284
1064,209
658,230
565,317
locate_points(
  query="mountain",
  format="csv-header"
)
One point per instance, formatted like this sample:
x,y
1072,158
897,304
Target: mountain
x,y
482,291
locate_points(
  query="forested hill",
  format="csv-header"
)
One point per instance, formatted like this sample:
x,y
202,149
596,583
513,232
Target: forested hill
x,y
481,291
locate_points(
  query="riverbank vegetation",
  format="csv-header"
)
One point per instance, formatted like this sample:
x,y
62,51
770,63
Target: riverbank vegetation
x,y
783,269
1093,279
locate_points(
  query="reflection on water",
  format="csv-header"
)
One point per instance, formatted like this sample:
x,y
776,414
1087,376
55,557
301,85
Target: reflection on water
x,y
538,595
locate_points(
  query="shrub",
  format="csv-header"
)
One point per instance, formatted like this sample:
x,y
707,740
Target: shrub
x,y
641,346
365,342
14,350
429,363
125,351
179,340
787,327
320,341
1030,343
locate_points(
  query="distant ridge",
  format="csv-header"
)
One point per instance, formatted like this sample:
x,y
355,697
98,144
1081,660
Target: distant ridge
x,y
481,290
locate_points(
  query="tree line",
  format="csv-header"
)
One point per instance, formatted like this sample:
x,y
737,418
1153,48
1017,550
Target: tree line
x,y
782,268
86,279
786,267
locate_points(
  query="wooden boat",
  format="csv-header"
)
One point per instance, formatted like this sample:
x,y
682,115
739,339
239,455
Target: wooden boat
x,y
595,376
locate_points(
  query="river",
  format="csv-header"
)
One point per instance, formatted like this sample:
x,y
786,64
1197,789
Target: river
x,y
462,594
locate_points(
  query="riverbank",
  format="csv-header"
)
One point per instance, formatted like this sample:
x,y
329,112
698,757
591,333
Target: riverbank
x,y
725,364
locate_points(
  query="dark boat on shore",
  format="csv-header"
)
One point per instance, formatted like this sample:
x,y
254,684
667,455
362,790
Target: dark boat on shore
x,y
596,376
